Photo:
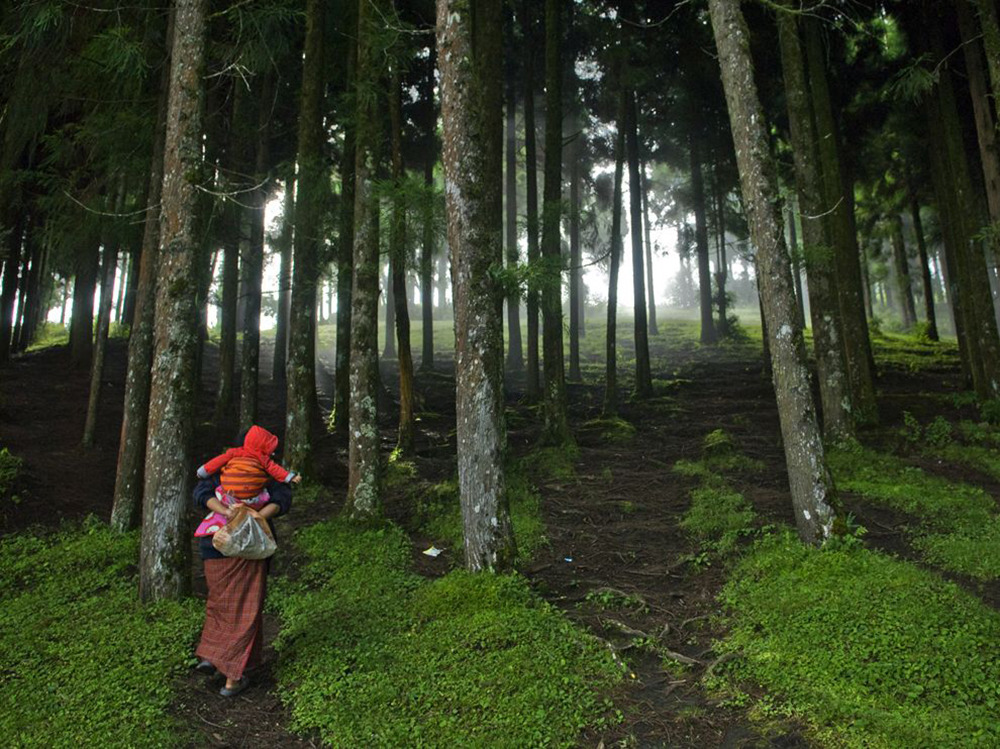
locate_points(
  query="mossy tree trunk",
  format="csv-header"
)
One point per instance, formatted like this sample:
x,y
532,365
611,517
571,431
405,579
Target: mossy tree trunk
x,y
652,325
127,498
556,424
364,462
823,300
164,565
809,479
470,42
309,206
575,274
902,272
838,198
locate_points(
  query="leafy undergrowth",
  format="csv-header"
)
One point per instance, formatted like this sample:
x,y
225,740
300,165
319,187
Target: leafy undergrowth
x,y
911,353
868,650
10,471
83,660
371,654
959,528
719,515
437,512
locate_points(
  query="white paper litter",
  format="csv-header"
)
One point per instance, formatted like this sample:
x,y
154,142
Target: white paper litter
x,y
433,551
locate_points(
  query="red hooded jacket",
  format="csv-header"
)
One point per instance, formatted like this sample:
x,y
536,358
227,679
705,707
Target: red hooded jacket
x,y
245,470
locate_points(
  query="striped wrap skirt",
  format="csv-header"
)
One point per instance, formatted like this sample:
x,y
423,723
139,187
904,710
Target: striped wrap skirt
x,y
233,636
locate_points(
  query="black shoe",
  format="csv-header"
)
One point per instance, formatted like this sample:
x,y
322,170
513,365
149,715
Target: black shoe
x,y
205,667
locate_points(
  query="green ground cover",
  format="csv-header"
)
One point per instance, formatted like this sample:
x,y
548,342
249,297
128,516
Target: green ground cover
x,y
370,654
957,526
867,650
84,662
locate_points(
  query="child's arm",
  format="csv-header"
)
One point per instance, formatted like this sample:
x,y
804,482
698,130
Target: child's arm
x,y
280,473
216,463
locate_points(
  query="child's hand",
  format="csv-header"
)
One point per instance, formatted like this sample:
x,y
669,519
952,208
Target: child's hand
x,y
297,479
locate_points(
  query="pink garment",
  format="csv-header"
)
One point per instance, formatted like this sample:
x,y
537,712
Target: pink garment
x,y
215,520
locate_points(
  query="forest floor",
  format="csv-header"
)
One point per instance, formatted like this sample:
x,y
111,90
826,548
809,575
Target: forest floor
x,y
617,560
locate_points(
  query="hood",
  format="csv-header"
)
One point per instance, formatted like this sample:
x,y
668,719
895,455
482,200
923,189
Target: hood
x,y
260,442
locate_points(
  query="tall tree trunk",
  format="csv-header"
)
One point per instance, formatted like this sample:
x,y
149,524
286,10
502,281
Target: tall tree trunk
x,y
532,383
977,306
643,373
470,42
164,564
721,264
35,305
253,277
8,295
925,271
397,251
796,254
225,397
823,301
81,331
902,274
309,205
611,351
108,272
515,358
652,325
811,485
986,125
345,248
839,210
427,248
574,254
708,334
284,279
556,425
135,415
364,464
132,282
389,352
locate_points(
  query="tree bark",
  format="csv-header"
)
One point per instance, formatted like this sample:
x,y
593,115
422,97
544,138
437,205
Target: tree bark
x,y
253,277
284,279
397,251
795,252
643,373
364,464
810,482
164,564
135,414
81,331
389,352
652,324
108,272
532,383
708,334
427,249
902,274
556,425
515,357
34,307
823,300
227,334
721,264
309,206
925,271
574,254
611,350
8,295
470,42
839,211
